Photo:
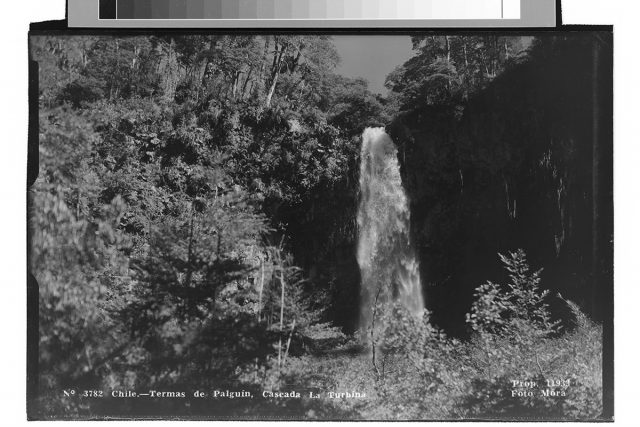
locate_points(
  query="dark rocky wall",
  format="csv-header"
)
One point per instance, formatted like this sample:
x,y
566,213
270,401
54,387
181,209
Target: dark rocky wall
x,y
528,164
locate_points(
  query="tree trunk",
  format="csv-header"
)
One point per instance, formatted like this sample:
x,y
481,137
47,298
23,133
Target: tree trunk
x,y
447,45
373,338
466,56
261,289
281,313
275,74
286,353
263,63
234,90
272,89
246,82
169,74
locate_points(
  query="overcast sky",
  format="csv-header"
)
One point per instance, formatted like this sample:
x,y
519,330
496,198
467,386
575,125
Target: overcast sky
x,y
372,57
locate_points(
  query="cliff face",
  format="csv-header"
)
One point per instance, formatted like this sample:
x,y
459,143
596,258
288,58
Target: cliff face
x,y
527,164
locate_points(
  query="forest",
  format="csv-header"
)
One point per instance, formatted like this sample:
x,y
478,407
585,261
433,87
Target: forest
x,y
194,228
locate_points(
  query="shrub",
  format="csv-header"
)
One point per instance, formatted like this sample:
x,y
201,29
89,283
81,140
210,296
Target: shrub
x,y
518,309
515,339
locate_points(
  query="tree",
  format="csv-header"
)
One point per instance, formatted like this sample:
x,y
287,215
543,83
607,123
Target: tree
x,y
447,69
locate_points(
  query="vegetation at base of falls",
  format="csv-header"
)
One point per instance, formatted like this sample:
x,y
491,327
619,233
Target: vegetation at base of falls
x,y
420,373
193,228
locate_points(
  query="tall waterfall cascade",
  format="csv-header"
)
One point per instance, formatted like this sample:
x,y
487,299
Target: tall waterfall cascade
x,y
389,268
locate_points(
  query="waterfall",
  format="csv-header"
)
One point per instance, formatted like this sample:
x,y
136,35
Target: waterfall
x,y
388,264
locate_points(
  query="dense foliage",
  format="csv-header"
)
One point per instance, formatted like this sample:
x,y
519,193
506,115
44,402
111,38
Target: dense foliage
x,y
194,228
417,372
175,172
447,70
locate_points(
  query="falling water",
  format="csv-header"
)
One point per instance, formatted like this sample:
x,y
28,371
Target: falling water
x,y
388,266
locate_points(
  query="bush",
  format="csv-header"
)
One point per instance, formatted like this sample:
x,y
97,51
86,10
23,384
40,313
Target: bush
x,y
515,339
518,309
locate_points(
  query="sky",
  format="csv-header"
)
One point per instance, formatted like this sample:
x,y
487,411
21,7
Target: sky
x,y
372,57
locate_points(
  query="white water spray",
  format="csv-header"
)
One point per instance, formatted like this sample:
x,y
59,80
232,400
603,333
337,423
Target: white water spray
x,y
388,266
